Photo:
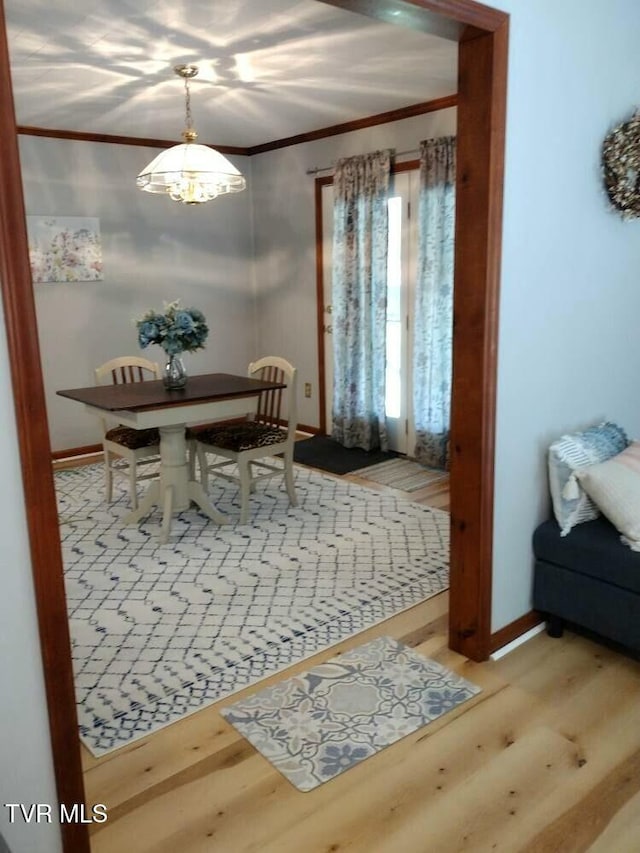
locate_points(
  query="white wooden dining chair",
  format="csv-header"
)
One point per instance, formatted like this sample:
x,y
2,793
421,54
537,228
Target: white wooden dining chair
x,y
125,448
257,444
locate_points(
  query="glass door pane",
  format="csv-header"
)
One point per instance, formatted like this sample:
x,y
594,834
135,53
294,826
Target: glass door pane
x,y
393,402
396,371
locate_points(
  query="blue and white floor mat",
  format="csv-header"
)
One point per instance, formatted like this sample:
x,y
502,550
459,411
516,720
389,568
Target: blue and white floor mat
x,y
319,723
160,631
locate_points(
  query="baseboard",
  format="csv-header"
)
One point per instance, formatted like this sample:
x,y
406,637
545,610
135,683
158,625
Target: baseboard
x,y
310,429
72,452
515,629
519,641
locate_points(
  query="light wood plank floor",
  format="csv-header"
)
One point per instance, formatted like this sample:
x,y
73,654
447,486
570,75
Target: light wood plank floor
x,y
545,759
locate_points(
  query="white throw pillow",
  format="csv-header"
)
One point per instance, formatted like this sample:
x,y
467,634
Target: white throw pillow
x,y
614,486
571,504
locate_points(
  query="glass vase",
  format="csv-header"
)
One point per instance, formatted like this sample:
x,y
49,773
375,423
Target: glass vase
x,y
175,374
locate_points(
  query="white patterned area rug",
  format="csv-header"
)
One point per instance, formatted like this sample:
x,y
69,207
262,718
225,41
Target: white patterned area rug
x,y
315,725
160,631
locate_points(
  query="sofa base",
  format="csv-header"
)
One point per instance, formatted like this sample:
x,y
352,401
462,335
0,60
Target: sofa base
x,y
555,625
566,595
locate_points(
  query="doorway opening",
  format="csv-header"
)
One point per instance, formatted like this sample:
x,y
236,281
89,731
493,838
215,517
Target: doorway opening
x,y
483,40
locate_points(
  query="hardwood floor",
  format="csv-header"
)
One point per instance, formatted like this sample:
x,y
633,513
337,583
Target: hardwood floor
x,y
545,759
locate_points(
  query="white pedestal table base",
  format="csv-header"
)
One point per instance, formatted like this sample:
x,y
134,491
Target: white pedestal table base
x,y
174,491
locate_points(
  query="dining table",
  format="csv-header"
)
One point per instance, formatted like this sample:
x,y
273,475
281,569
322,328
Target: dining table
x,y
141,405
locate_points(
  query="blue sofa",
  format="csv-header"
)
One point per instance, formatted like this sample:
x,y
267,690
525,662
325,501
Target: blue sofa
x,y
588,578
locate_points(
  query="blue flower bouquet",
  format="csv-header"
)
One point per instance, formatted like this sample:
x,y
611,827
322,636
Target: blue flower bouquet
x,y
177,330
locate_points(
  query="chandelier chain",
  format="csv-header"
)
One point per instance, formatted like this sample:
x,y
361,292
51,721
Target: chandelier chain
x,y
187,93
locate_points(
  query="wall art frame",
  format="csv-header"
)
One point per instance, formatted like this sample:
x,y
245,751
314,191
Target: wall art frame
x,y
64,249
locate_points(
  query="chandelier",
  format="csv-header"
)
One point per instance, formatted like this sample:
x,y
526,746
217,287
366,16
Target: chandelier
x,y
189,172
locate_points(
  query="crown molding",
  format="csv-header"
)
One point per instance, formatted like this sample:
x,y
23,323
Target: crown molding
x,y
322,133
358,124
81,136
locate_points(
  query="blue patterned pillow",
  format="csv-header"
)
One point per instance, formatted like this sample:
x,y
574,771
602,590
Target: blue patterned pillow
x,y
571,504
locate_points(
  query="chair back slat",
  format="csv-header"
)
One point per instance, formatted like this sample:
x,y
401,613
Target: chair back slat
x,y
270,402
126,374
127,369
258,451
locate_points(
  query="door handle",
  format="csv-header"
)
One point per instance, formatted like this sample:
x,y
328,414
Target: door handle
x,y
327,329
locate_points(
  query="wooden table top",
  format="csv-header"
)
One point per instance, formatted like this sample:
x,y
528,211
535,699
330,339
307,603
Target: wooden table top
x,y
138,396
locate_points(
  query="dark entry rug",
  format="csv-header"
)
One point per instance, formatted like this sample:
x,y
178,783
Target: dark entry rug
x,y
323,452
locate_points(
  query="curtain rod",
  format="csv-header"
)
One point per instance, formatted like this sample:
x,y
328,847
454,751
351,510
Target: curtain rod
x,y
317,169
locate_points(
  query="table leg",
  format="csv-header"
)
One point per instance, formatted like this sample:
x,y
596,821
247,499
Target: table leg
x,y
165,530
199,497
151,499
174,471
174,491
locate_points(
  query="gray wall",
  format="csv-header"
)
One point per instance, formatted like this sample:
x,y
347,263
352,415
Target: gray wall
x,y
26,770
153,251
214,257
568,346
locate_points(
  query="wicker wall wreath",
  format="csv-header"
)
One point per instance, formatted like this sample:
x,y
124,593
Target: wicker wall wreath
x,y
621,167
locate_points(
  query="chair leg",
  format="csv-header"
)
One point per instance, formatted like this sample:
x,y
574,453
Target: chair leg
x,y
133,491
288,478
108,476
245,490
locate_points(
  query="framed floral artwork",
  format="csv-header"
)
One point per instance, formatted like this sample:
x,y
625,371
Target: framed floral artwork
x,y
64,248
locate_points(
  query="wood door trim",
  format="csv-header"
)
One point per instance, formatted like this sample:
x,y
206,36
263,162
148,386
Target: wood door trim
x,y
324,181
479,185
37,475
466,12
479,188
